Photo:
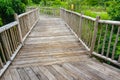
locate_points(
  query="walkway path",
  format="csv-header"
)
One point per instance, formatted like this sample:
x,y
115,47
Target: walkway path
x,y
52,52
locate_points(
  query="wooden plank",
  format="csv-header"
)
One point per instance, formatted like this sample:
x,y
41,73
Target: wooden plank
x,y
39,74
63,72
14,74
110,73
23,74
76,71
7,75
47,73
55,73
30,73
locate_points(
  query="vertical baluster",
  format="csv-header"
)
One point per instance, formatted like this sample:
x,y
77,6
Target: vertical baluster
x,y
9,38
16,36
99,38
103,47
108,50
80,25
13,36
1,63
5,46
8,43
116,40
2,52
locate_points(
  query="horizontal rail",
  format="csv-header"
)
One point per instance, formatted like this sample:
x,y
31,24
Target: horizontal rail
x,y
100,37
110,22
8,26
23,14
12,36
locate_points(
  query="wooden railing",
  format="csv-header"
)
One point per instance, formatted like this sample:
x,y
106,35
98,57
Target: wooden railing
x,y
50,11
13,35
100,37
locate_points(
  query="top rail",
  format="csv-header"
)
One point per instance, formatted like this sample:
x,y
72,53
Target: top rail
x,y
100,37
23,14
8,26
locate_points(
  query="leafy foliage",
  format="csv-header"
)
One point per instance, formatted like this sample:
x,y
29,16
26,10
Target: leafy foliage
x,y
18,6
25,1
6,11
36,1
114,10
1,22
8,8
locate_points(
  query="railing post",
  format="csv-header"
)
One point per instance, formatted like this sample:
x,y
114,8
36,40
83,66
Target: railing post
x,y
20,33
80,25
119,59
94,35
60,12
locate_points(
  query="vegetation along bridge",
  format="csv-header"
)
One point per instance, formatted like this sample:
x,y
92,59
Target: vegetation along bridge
x,y
59,44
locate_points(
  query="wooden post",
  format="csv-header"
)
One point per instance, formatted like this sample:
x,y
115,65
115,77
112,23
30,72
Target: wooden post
x,y
80,25
94,35
119,59
16,18
1,63
60,12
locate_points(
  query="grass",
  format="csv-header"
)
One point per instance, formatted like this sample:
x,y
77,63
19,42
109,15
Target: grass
x,y
94,14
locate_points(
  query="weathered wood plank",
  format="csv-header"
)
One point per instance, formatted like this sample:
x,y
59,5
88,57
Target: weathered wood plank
x,y
30,73
14,74
55,73
47,73
63,72
23,74
39,74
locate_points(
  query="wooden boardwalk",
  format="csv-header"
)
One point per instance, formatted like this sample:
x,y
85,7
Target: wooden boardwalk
x,y
52,52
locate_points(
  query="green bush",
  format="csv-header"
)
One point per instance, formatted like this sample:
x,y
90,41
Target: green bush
x,y
114,10
25,1
36,1
1,22
8,8
6,11
18,6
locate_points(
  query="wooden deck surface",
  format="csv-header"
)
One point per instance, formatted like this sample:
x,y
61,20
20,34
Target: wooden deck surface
x,y
52,52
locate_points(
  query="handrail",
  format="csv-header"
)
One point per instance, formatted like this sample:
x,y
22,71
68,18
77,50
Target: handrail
x,y
23,14
100,37
8,26
12,36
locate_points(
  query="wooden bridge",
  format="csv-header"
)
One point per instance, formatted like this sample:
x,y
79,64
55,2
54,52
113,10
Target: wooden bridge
x,y
47,47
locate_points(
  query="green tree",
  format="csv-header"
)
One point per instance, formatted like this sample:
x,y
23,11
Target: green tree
x,y
25,1
8,8
114,10
18,6
36,1
6,11
1,22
